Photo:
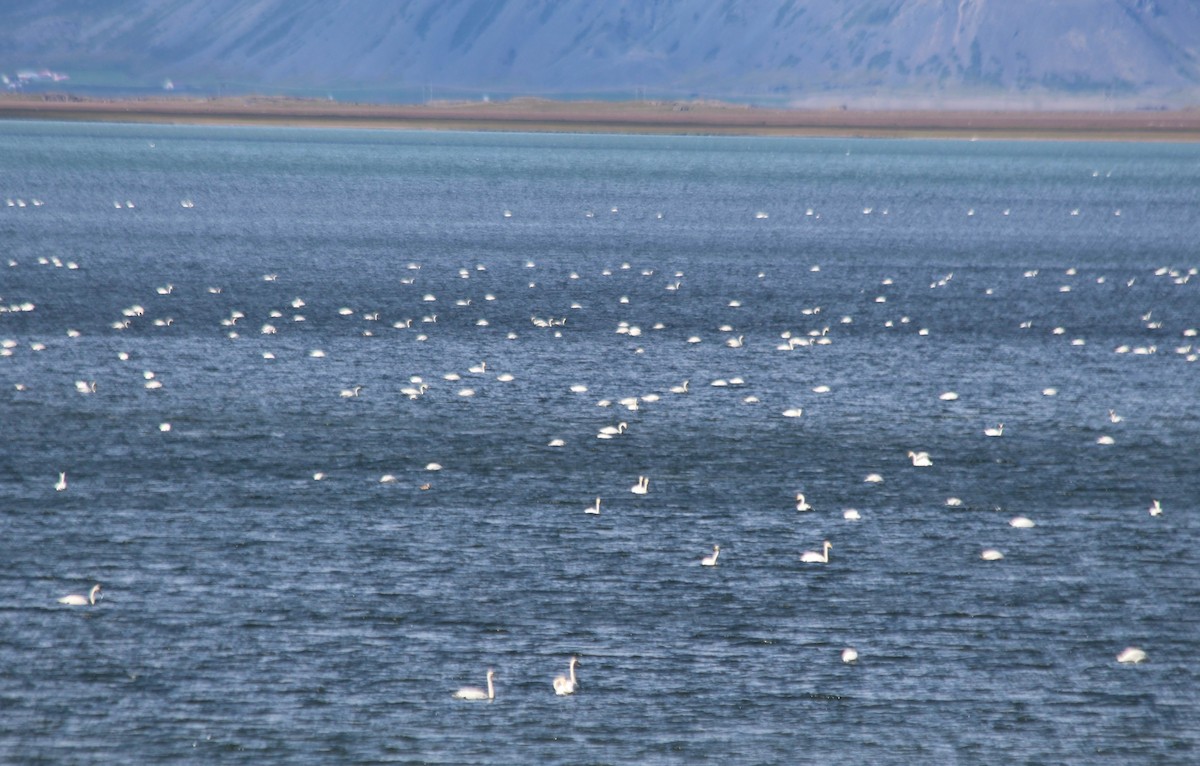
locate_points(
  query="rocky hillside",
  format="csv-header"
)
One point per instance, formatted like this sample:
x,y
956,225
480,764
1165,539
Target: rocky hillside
x,y
1141,53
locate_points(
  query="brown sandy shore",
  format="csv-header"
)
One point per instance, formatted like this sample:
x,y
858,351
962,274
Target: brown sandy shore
x,y
649,117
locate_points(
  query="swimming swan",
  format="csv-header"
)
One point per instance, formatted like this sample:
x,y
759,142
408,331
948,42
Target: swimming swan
x,y
711,560
563,685
801,503
76,599
920,459
1132,655
812,557
593,509
997,431
475,693
642,487
61,484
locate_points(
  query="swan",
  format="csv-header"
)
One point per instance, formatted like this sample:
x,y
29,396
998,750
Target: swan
x,y
680,389
849,655
61,484
812,557
1132,655
478,368
920,459
347,393
711,559
851,514
873,478
1155,508
593,509
642,487
1114,417
564,685
1021,522
801,503
1106,440
991,554
475,693
619,428
793,412
948,396
76,599
997,431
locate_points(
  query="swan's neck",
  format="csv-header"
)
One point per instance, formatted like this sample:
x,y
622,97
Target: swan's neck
x,y
491,690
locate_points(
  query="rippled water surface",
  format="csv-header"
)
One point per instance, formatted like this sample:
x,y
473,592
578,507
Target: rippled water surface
x,y
252,613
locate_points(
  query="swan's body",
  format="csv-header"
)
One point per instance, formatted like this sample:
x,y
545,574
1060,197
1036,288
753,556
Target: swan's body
x,y
1022,522
711,559
849,655
475,693
564,685
997,431
813,557
991,554
76,599
1131,655
642,487
593,509
61,484
1155,508
851,514
801,503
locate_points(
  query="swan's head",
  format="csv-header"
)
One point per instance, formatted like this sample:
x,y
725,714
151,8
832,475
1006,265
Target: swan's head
x,y
828,545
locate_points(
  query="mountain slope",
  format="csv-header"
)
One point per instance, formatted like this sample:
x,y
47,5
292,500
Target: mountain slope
x,y
789,50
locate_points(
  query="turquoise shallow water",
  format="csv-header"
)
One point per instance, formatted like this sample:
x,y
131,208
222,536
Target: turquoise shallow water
x,y
251,613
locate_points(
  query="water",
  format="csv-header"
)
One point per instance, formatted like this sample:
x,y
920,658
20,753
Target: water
x,y
251,613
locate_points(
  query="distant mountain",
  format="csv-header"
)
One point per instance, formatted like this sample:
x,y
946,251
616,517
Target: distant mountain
x,y
1020,53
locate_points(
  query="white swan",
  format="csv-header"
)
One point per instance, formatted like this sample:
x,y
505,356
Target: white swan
x,y
619,428
76,599
1132,655
711,559
997,431
593,509
61,484
475,693
812,557
680,389
642,487
1021,522
564,685
801,503
851,514
920,459
991,554
1155,508
849,655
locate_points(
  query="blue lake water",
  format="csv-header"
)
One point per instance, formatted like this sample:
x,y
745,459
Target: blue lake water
x,y
251,613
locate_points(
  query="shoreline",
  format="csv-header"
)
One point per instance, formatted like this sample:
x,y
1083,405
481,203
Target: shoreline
x,y
630,117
